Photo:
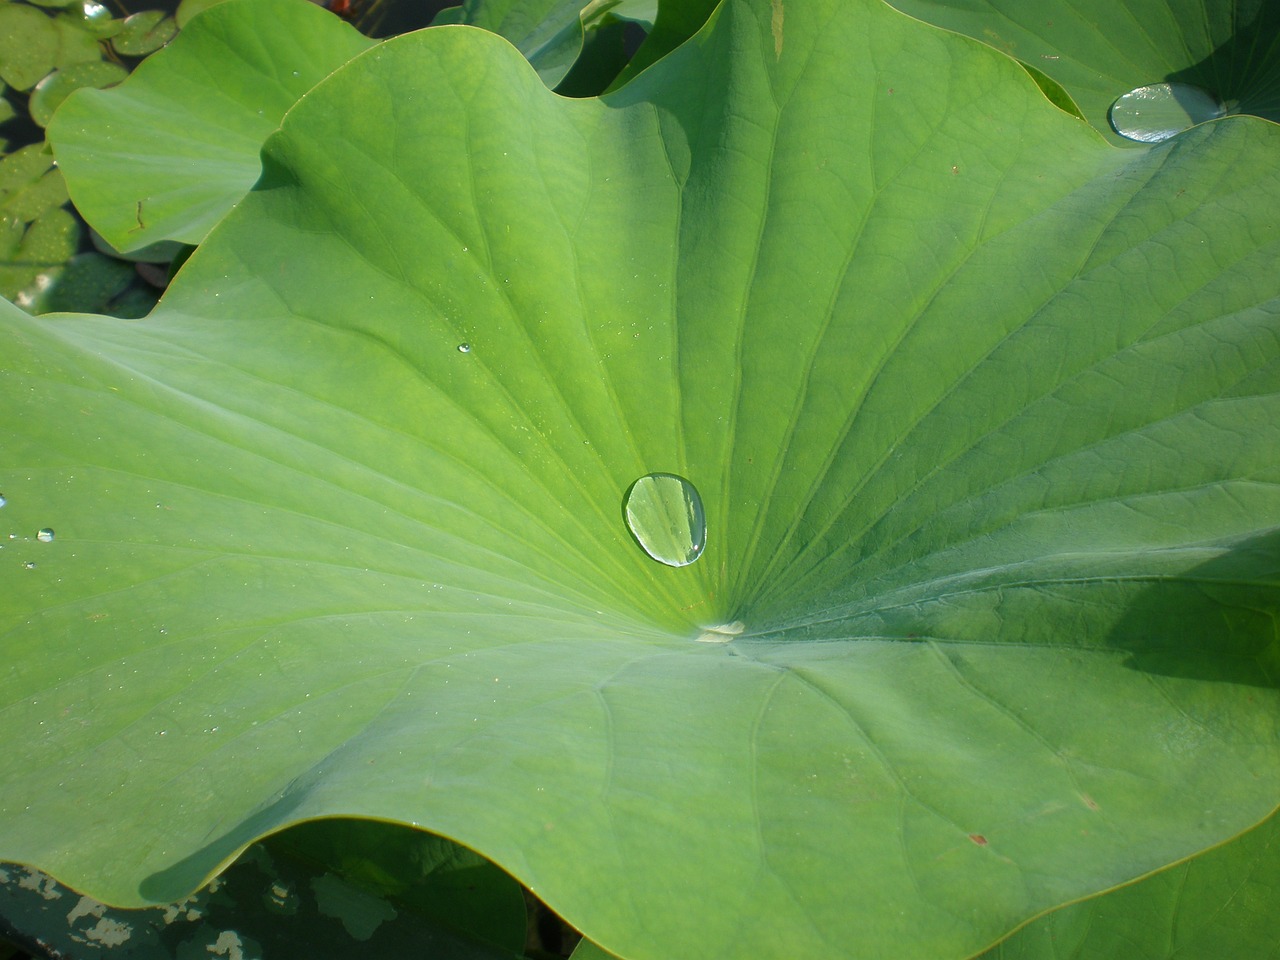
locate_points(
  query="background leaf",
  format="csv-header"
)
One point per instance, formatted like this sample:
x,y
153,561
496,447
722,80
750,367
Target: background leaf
x,y
1101,49
550,33
166,154
273,905
980,409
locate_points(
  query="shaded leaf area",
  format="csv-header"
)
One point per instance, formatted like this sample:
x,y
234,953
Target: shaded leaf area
x,y
1221,904
673,25
1099,50
278,901
37,233
40,269
166,154
980,411
552,34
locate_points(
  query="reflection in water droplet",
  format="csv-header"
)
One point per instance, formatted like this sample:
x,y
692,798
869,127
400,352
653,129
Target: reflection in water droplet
x,y
45,535
464,348
1156,112
664,514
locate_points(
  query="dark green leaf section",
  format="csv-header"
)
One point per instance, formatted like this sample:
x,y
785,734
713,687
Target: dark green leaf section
x,y
165,155
37,234
980,409
278,902
674,24
1222,904
1099,50
447,885
554,34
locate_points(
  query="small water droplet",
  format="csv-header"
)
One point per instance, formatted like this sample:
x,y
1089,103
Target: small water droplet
x,y
30,565
45,535
1157,111
296,73
464,348
664,513
3,501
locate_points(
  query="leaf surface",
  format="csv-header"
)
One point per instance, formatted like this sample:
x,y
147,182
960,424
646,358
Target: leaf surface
x,y
1220,904
1101,49
166,154
981,412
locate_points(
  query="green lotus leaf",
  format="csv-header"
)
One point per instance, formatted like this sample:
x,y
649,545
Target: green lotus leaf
x,y
1100,50
673,24
981,412
167,153
1220,904
550,33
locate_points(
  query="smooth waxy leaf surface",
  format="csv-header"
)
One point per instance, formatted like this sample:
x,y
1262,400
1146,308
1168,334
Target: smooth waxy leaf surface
x,y
1220,904
1100,50
166,154
980,410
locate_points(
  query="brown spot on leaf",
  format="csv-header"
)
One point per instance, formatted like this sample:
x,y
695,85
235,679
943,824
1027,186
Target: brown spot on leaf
x,y
979,839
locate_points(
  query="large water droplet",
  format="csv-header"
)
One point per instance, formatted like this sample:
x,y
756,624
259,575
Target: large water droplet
x,y
3,501
45,535
1158,111
664,514
464,348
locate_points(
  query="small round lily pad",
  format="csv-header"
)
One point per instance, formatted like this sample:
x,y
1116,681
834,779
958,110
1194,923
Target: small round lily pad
x,y
23,167
76,43
29,45
95,18
89,282
144,33
57,86
39,257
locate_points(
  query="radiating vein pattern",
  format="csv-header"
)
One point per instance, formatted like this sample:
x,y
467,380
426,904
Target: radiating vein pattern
x,y
816,500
